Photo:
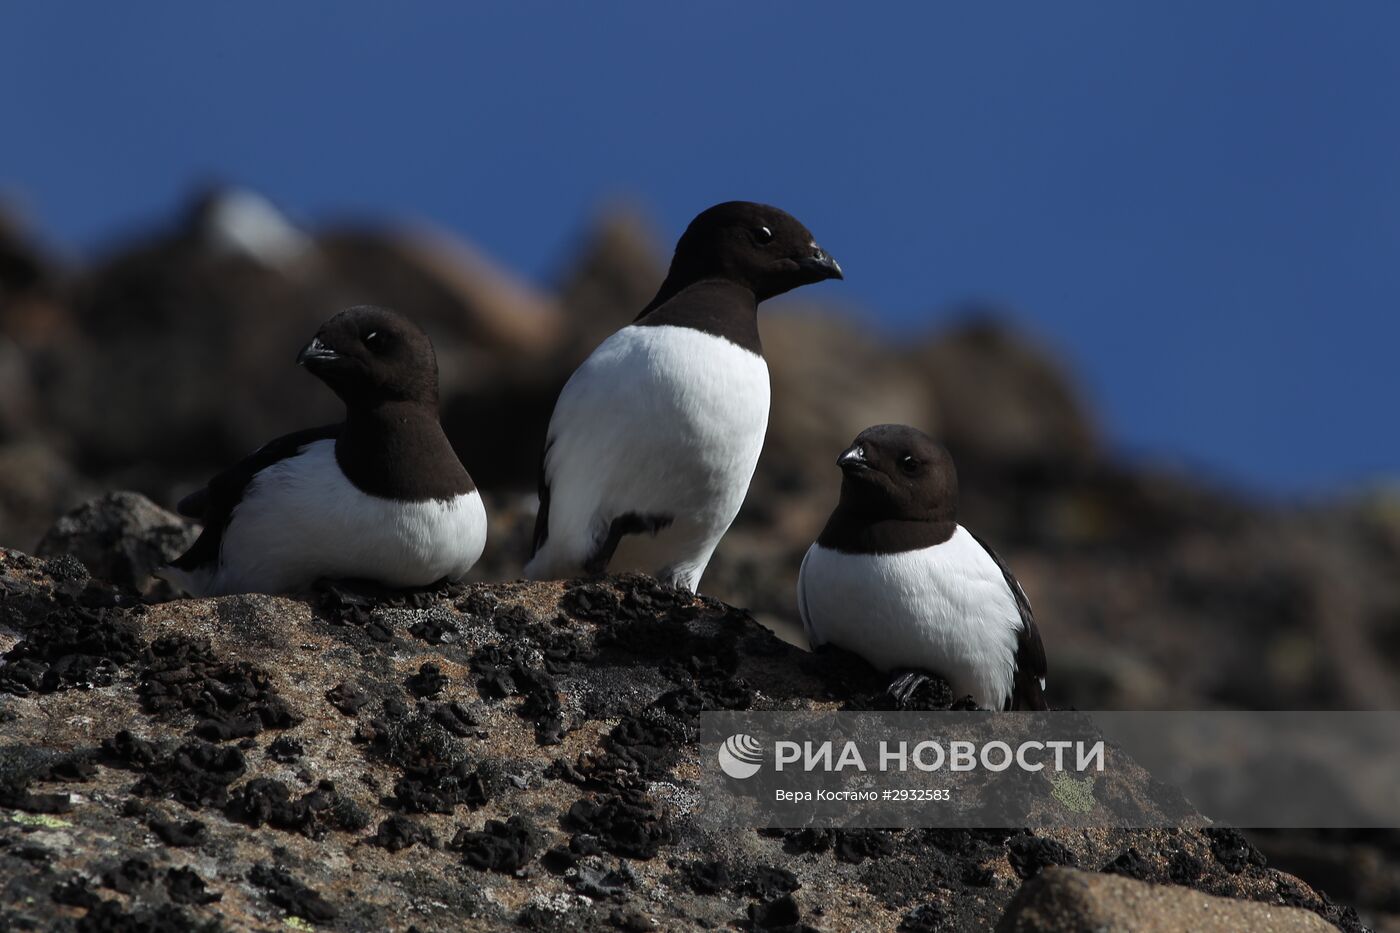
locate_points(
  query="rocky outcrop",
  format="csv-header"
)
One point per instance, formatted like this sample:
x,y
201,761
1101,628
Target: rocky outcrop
x,y
1064,900
1004,400
163,359
471,757
121,537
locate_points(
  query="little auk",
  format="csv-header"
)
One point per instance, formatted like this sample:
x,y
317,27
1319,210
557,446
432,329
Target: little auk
x,y
896,580
656,435
380,496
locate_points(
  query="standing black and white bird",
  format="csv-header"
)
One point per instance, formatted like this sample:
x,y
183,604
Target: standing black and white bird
x,y
895,579
380,496
655,437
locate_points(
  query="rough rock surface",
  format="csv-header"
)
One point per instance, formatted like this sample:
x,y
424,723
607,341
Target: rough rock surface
x,y
1065,900
472,757
1004,399
159,361
121,537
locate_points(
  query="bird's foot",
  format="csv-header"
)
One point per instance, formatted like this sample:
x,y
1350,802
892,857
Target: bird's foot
x,y
916,690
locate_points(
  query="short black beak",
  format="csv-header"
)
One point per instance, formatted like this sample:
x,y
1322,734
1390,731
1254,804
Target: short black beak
x,y
316,350
852,458
820,265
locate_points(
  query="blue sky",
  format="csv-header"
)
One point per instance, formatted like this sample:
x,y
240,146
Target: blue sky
x,y
1198,203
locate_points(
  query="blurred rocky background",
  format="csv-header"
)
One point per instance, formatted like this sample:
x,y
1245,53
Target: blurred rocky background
x,y
169,355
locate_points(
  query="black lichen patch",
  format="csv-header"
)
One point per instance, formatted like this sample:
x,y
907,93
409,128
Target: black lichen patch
x,y
780,915
455,718
646,745
355,606
978,876
75,892
509,670
1130,863
343,607
926,918
601,883
640,621
196,774
630,597
562,649
767,882
428,682
234,700
627,823
1029,854
73,639
1232,850
409,740
184,886
127,750
347,698
399,832
132,876
285,749
111,917
265,800
1184,868
15,795
504,847
849,845
181,835
291,895
706,878
437,776
857,845
439,788
899,882
435,630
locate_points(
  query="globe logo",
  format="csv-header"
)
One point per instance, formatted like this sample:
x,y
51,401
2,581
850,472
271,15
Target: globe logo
x,y
741,756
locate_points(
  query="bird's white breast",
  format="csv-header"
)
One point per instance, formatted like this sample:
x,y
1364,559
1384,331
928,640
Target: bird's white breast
x,y
659,420
945,609
302,519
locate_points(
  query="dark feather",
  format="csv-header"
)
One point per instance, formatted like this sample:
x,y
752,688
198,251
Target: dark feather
x,y
214,504
542,516
1031,667
193,505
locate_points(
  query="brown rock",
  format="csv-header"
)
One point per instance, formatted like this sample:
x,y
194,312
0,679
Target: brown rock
x,y
1003,399
1065,900
616,271
831,379
479,315
121,537
543,781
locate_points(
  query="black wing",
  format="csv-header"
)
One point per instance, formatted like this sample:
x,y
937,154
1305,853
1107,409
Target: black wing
x,y
214,504
1028,686
542,516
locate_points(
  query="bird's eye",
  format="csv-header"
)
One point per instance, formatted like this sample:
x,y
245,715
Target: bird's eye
x,y
908,464
763,235
373,338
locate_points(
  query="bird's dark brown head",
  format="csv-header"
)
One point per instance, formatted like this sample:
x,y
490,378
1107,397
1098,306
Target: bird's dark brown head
x,y
892,471
369,356
760,247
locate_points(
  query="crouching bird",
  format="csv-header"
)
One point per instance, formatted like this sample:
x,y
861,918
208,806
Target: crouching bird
x,y
656,435
896,580
380,496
